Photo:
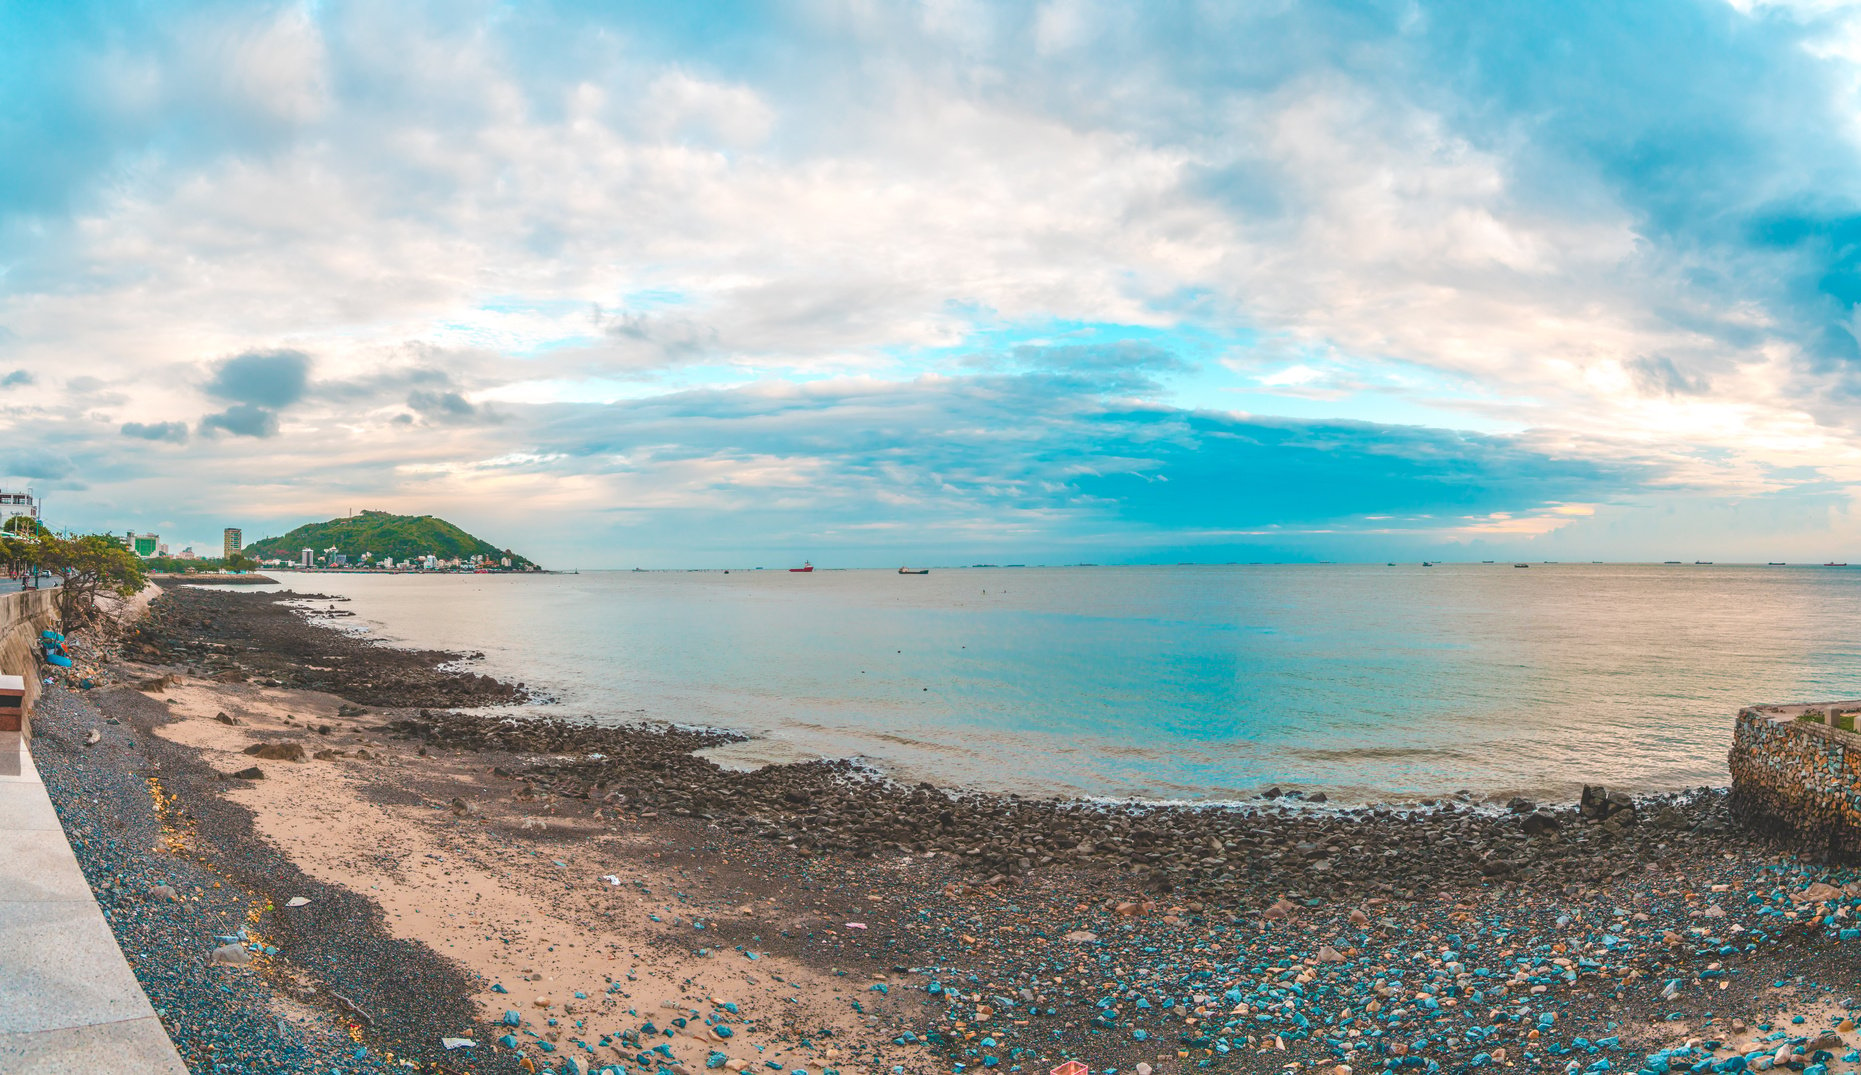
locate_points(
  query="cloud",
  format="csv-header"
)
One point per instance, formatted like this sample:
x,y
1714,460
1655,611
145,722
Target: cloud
x,y
940,450
1657,375
242,420
271,379
37,463
17,378
171,432
1055,269
448,407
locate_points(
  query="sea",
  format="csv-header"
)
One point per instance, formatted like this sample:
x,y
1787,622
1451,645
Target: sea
x,y
1171,683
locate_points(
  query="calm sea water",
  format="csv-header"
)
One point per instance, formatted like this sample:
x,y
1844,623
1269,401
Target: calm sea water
x,y
1201,683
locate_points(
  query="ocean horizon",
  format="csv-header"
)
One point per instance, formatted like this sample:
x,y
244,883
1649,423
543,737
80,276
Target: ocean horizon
x,y
1197,683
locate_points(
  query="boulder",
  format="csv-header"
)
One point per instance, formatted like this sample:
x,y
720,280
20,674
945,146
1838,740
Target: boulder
x,y
1540,822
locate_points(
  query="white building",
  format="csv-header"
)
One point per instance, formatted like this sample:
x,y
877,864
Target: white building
x,y
308,558
13,505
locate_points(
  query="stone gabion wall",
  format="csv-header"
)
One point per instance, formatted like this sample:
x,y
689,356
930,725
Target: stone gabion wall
x,y
1799,780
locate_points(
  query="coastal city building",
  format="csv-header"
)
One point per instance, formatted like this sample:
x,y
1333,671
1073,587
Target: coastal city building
x,y
13,505
232,539
143,545
308,558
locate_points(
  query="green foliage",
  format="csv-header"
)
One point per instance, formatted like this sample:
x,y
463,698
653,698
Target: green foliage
x,y
87,567
25,526
403,537
174,565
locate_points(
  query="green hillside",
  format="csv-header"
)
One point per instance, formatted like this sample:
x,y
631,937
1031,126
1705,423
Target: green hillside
x,y
404,537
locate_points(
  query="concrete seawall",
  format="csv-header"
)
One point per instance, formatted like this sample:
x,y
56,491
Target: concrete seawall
x,y
1796,774
68,1000
22,616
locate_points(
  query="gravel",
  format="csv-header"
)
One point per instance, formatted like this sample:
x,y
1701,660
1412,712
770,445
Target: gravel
x,y
187,887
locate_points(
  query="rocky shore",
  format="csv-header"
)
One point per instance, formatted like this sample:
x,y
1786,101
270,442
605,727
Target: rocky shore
x,y
929,930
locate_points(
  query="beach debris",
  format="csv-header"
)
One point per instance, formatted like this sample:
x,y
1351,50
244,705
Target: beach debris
x,y
856,925
458,1043
296,901
93,738
231,955
1082,936
610,879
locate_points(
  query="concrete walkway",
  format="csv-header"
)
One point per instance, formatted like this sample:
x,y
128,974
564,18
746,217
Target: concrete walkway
x,y
68,1000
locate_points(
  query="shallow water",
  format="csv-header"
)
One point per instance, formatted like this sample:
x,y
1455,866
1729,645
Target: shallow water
x,y
1200,683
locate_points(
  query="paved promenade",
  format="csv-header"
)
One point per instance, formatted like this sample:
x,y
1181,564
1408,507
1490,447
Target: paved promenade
x,y
68,1000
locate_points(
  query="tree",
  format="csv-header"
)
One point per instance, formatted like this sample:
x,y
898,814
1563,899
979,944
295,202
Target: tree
x,y
20,554
239,561
88,566
25,526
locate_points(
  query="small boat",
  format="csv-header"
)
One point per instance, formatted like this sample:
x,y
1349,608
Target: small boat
x,y
1832,563
1521,565
806,565
1428,563
919,571
1698,563
1775,563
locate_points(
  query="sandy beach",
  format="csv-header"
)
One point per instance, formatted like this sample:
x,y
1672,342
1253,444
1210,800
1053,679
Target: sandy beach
x,y
570,893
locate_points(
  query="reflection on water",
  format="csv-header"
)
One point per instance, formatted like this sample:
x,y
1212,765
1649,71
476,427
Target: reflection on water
x,y
1173,682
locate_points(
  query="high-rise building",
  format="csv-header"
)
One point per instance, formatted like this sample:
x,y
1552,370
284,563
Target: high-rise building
x,y
231,541
143,545
309,557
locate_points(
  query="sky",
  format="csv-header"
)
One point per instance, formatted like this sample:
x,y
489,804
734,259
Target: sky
x,y
673,285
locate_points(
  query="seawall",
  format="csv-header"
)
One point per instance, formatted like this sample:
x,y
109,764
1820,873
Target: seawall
x,y
68,1000
1796,774
22,616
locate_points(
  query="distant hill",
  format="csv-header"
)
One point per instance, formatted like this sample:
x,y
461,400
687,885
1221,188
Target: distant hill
x,y
404,537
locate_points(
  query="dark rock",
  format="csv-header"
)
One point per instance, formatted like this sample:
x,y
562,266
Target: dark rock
x,y
1540,822
276,751
252,773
